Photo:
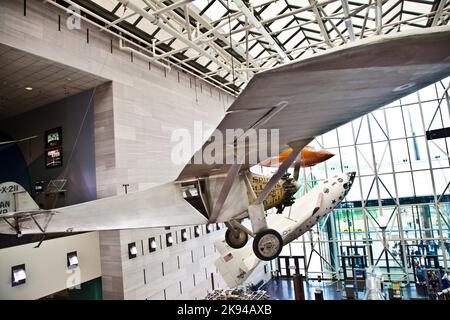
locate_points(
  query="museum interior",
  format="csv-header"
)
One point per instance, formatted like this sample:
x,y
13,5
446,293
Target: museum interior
x,y
95,204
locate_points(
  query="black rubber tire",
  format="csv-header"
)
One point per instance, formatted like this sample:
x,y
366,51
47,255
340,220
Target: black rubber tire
x,y
256,244
236,243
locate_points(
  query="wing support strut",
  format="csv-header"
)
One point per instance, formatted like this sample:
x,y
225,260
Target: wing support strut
x,y
256,209
42,230
16,226
277,176
248,185
237,225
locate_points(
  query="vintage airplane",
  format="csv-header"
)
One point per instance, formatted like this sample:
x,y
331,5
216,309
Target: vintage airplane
x,y
309,157
237,264
302,99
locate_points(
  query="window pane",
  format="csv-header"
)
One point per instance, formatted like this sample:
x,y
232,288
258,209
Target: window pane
x,y
355,192
413,120
365,158
361,130
438,153
330,139
418,153
334,164
378,126
400,155
429,110
348,157
411,98
428,93
422,182
441,179
404,181
387,188
395,123
382,157
346,135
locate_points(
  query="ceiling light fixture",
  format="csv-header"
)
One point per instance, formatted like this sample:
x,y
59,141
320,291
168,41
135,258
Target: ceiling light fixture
x,y
28,88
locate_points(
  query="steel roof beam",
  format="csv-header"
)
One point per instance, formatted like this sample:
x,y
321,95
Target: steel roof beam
x,y
323,30
219,35
287,14
153,19
379,16
438,14
348,20
257,24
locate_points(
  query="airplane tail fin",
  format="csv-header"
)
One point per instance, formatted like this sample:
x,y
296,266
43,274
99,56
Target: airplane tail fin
x,y
14,198
235,265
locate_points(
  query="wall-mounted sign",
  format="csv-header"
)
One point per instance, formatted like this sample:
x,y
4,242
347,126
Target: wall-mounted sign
x,y
53,158
53,138
39,186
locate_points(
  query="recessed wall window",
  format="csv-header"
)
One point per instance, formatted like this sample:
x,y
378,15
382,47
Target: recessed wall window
x,y
209,228
217,226
196,231
152,244
72,260
132,250
169,239
184,235
18,275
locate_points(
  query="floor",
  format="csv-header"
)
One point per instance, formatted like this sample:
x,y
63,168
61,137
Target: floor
x,y
283,289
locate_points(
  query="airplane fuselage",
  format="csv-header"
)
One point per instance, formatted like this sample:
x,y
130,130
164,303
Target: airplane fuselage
x,y
317,203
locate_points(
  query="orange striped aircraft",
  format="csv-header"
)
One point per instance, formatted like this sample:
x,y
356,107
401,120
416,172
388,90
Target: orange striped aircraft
x,y
308,157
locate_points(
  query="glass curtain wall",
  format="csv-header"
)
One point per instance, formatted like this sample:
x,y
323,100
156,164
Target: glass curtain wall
x,y
397,215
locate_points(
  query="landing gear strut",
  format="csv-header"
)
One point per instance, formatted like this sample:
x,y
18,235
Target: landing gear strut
x,y
236,238
267,244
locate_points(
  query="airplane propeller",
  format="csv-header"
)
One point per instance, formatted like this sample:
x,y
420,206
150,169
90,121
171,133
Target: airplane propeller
x,y
298,164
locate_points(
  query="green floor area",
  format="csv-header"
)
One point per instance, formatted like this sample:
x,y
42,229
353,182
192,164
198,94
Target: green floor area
x,y
89,290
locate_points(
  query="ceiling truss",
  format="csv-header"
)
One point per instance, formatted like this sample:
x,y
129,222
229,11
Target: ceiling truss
x,y
226,42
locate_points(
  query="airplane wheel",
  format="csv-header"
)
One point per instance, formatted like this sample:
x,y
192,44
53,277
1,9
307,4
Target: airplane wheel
x,y
236,242
267,244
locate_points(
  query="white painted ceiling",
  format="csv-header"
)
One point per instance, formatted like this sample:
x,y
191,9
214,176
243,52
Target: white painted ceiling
x,y
50,81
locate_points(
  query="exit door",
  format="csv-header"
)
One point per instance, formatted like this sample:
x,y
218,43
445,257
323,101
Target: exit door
x,y
288,266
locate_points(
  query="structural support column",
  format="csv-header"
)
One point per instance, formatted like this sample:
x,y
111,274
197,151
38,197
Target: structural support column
x,y
379,16
397,199
438,14
436,203
335,249
348,20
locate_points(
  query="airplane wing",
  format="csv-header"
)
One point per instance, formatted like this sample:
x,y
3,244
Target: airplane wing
x,y
144,209
308,98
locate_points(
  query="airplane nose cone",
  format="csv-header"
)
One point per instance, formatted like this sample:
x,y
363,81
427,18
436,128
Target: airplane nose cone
x,y
349,183
351,176
325,155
